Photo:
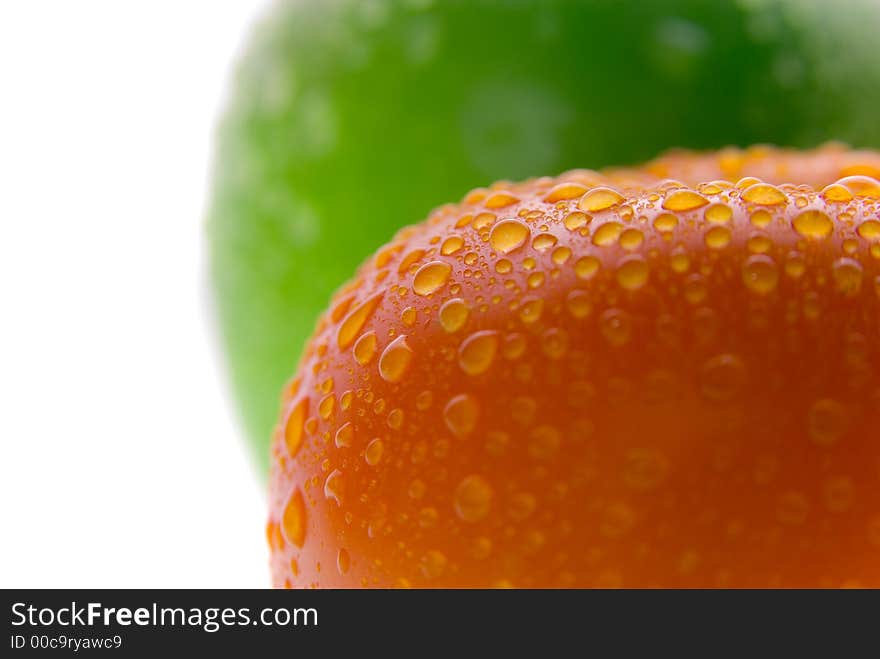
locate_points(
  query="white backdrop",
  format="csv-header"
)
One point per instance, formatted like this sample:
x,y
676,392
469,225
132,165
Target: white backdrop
x,y
121,464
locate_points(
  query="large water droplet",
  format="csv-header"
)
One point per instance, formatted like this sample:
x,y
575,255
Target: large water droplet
x,y
293,426
578,304
665,222
631,239
759,244
343,561
554,343
586,267
717,237
679,260
508,235
607,234
326,406
503,266
870,230
760,274
763,194
334,486
514,346
684,200
433,564
461,414
632,274
847,276
408,316
760,218
564,191
473,499
453,315
395,418
599,199
544,241
345,435
395,360
293,519
451,245
365,348
477,352
861,186
531,310
561,255
374,451
500,199
813,224
431,277
718,214
836,193
616,326
695,289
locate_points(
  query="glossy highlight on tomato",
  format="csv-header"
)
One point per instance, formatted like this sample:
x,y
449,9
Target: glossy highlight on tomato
x,y
666,376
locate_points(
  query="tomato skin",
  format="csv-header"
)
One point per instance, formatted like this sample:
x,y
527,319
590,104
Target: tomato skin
x,y
549,400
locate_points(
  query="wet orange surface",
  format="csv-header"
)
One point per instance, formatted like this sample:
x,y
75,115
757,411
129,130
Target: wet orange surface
x,y
658,377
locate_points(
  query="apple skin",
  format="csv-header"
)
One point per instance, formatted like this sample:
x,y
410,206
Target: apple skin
x,y
350,119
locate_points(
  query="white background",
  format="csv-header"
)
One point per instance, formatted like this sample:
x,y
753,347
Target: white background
x,y
121,464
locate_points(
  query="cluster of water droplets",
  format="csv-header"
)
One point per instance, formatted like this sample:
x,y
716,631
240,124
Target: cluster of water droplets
x,y
503,286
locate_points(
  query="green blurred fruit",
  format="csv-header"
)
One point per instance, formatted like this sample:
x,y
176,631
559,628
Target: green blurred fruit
x,y
351,118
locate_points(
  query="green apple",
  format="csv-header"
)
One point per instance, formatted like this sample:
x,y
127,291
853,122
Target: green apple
x,y
352,118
